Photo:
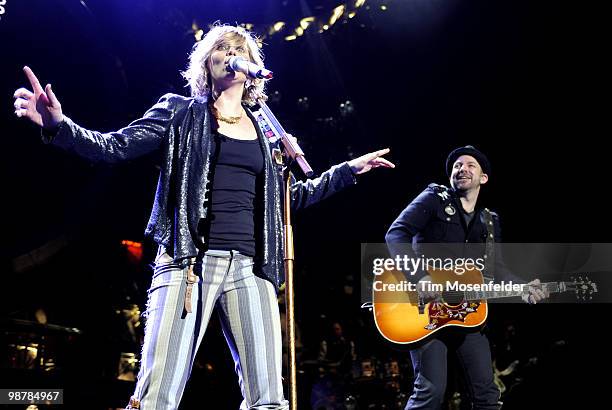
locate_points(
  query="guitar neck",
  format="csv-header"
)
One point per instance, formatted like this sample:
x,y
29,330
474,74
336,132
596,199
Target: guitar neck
x,y
551,287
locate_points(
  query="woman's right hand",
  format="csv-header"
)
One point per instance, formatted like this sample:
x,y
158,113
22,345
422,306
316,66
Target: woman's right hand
x,y
39,105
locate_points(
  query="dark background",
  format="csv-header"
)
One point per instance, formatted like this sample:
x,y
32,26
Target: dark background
x,y
521,80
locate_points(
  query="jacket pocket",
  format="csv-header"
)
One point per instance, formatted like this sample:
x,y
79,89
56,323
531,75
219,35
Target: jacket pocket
x,y
444,227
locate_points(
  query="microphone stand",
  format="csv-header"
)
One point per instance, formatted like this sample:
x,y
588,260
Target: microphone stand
x,y
294,153
289,300
292,149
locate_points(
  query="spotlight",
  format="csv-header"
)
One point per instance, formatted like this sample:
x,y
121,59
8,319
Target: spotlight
x,y
346,108
303,104
274,97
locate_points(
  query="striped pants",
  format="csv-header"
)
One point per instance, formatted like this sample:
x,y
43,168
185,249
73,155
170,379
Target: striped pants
x,y
178,311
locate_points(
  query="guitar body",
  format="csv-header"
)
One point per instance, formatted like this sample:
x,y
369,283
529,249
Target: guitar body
x,y
397,315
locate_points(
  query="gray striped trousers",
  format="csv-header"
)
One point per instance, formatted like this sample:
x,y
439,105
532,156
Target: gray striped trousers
x,y
178,311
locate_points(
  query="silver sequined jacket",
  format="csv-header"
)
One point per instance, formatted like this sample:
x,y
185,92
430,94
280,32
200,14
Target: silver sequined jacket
x,y
180,127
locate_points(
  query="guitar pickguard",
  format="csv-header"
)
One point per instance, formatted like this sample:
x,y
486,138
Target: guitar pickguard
x,y
441,313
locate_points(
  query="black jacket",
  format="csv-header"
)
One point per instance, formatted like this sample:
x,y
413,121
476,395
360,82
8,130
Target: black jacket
x,y
435,217
180,127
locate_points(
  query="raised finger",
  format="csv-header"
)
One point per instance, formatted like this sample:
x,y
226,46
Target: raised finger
x,y
33,80
372,156
381,152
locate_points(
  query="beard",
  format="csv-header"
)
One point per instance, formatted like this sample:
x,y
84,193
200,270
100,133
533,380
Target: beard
x,y
462,186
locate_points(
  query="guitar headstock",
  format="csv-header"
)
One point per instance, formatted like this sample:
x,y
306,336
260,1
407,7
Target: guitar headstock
x,y
583,287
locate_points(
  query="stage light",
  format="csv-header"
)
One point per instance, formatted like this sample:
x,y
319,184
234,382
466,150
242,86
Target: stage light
x,y
347,108
336,14
348,9
134,250
303,104
274,97
305,22
276,27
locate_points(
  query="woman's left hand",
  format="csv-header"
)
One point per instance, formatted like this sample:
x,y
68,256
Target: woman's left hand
x,y
366,162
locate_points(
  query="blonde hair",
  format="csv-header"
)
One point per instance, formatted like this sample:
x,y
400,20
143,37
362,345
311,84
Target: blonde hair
x,y
197,75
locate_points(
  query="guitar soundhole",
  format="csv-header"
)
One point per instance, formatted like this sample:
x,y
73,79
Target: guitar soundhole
x,y
452,298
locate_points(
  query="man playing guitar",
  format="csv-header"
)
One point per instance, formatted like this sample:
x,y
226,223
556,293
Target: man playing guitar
x,y
453,215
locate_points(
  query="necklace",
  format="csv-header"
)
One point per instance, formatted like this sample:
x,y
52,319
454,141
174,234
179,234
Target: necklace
x,y
219,117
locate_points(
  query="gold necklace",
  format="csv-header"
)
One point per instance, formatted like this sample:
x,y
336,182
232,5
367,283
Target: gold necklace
x,y
219,117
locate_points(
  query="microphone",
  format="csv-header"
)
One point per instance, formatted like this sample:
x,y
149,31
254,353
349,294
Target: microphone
x,y
252,70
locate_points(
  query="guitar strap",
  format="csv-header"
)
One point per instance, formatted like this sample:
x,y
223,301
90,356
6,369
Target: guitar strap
x,y
489,255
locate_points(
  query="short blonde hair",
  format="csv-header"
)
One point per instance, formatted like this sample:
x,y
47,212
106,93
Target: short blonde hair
x,y
197,75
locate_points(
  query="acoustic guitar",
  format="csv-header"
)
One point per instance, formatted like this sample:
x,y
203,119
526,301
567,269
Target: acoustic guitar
x,y
403,316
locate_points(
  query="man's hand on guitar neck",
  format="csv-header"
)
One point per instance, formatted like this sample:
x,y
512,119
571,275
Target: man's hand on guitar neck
x,y
536,293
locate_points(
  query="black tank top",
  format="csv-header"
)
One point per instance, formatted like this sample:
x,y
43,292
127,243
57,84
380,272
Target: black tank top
x,y
235,180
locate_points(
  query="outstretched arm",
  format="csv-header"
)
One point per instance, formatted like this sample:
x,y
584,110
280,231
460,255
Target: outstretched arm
x,y
140,137
311,191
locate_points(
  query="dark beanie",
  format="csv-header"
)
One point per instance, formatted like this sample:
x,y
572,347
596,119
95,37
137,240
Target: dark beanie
x,y
468,150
